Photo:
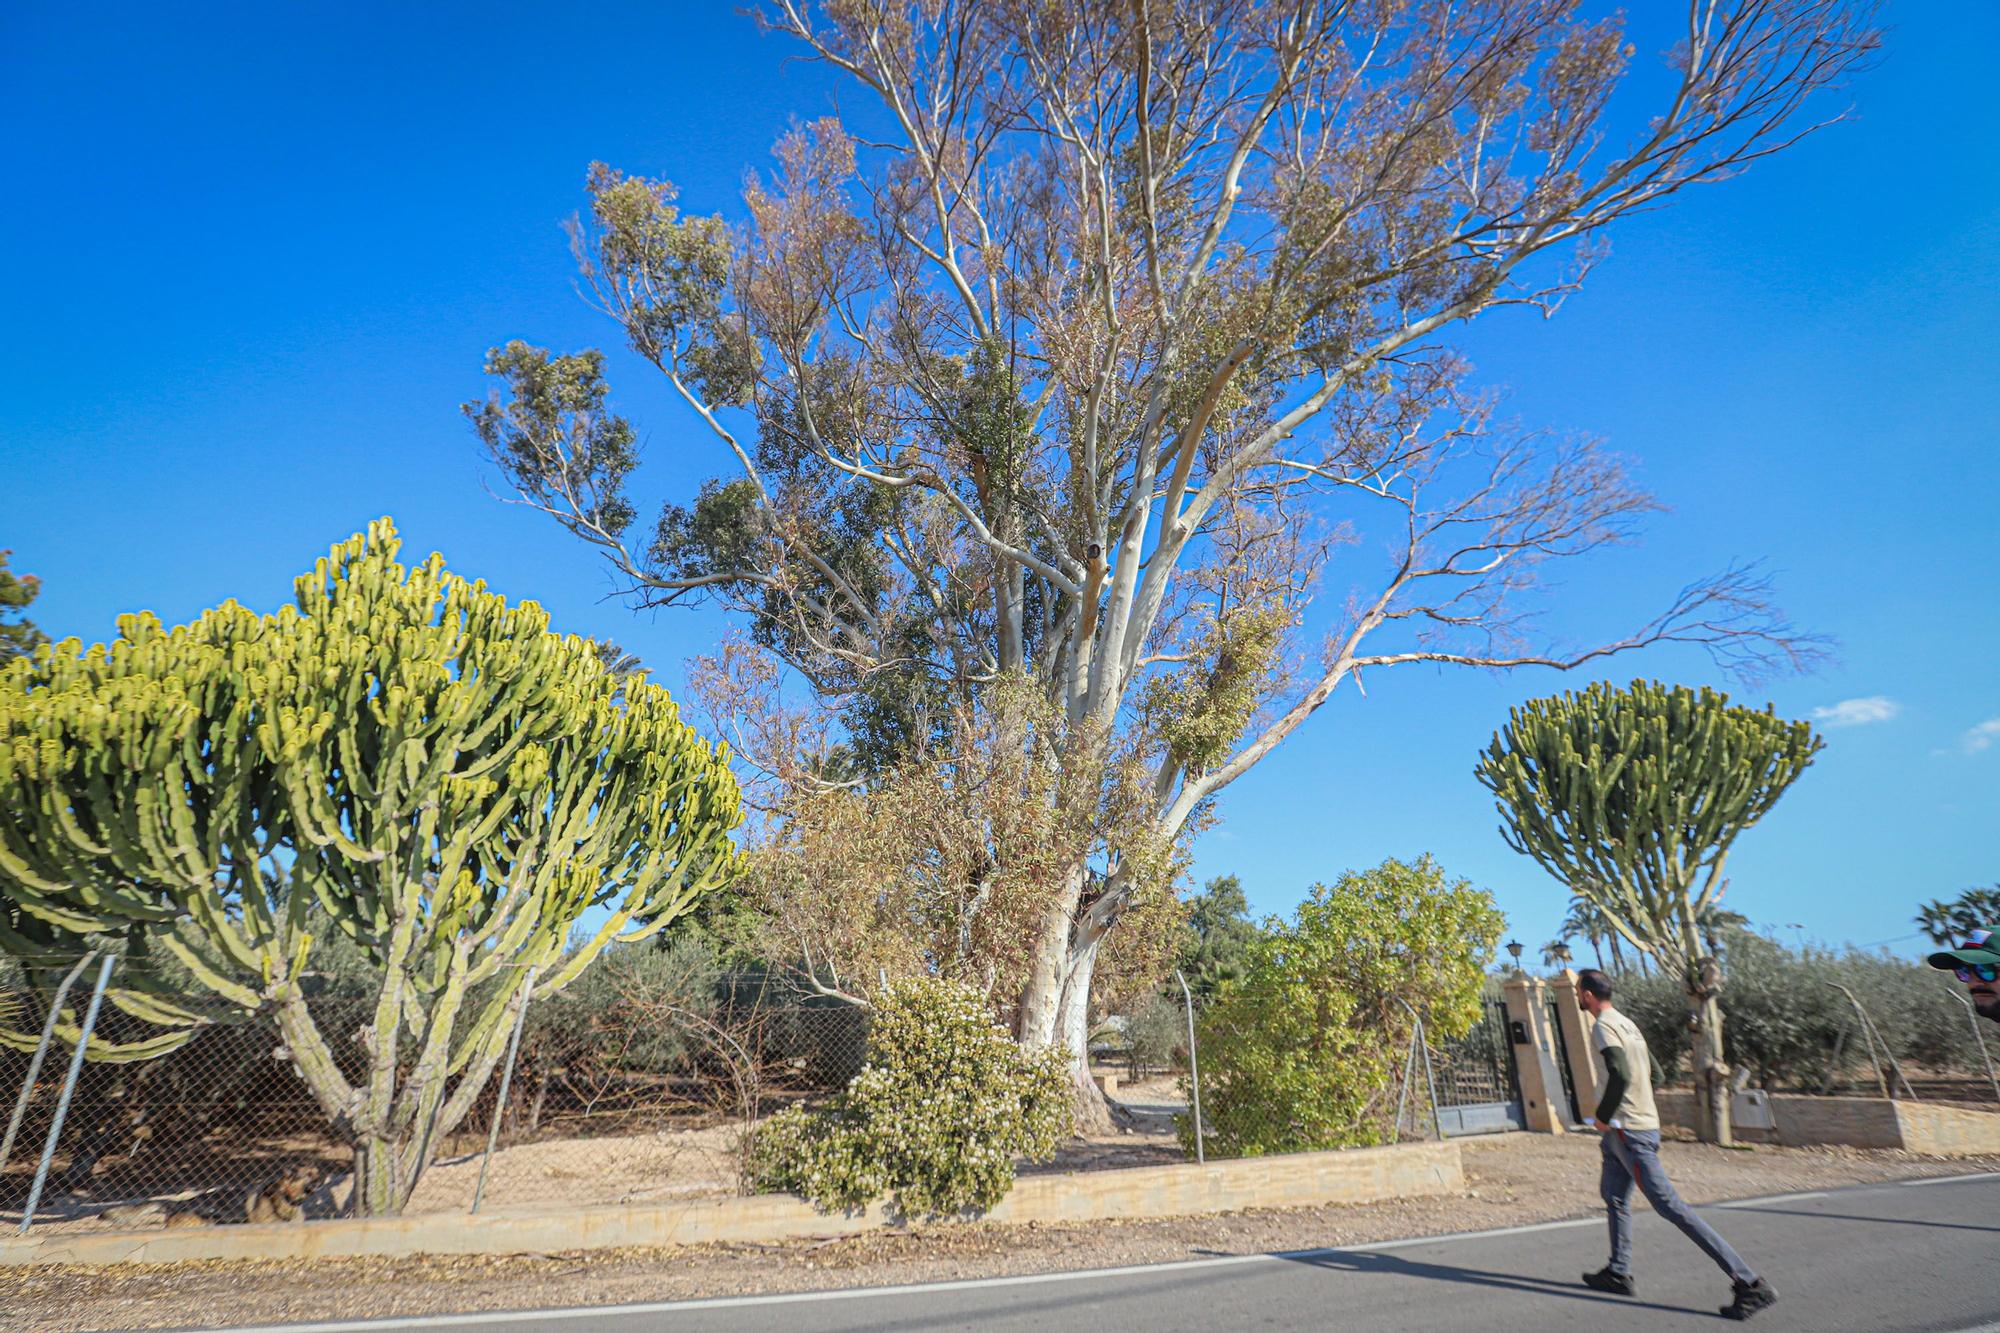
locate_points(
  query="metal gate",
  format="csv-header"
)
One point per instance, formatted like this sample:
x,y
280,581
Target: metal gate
x,y
1478,1086
1562,1063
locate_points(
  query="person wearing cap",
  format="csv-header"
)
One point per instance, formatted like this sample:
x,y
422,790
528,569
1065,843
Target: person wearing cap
x,y
1630,1124
1976,960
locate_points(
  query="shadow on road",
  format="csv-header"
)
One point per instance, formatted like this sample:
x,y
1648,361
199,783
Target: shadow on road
x,y
1872,1221
1367,1262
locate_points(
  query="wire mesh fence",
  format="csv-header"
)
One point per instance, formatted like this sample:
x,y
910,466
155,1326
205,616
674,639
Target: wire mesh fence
x,y
637,1084
1271,1076
614,1096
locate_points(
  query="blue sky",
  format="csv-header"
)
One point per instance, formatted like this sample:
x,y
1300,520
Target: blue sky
x,y
257,254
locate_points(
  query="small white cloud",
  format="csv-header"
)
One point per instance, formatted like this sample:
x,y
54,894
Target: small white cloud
x,y
1858,712
1981,737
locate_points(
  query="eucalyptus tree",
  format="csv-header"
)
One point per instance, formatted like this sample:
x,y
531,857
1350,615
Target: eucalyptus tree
x,y
1632,799
400,760
1088,335
18,634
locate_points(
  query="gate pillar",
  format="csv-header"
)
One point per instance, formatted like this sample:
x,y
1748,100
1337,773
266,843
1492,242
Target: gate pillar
x,y
1577,1029
1534,1054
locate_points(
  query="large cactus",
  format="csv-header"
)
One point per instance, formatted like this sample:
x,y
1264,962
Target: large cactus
x,y
400,754
1632,799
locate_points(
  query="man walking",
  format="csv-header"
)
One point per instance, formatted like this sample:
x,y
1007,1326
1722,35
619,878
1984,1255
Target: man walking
x,y
1630,1124
1977,962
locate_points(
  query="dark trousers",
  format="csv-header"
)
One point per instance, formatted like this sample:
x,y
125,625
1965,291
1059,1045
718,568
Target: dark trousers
x,y
1633,1155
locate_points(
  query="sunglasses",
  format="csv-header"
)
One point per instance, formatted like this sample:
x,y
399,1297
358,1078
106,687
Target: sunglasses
x,y
1984,971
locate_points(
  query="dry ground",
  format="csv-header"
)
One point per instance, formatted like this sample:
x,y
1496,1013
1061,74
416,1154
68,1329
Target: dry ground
x,y
582,1169
1514,1179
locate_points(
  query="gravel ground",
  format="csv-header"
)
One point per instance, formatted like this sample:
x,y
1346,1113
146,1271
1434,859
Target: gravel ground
x,y
1514,1179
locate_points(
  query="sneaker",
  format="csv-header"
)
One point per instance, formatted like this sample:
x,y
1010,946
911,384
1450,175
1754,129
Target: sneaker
x,y
1750,1299
1604,1279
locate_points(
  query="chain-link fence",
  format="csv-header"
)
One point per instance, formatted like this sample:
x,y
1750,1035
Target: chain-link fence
x,y
612,1094
1266,1075
1274,1078
637,1083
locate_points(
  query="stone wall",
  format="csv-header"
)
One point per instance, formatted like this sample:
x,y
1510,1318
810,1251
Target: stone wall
x,y
1859,1122
1361,1175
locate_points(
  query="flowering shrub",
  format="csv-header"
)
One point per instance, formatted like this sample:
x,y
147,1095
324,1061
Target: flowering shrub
x,y
943,1106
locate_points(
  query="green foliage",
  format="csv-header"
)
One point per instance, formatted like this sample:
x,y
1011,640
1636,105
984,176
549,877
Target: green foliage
x,y
400,760
661,979
1156,1036
935,1119
554,431
1220,933
1200,710
1301,1053
1946,921
18,635
1786,1023
643,244
1627,796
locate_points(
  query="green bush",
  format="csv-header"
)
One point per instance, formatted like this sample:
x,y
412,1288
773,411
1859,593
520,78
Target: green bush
x,y
943,1106
1785,1024
1301,1054
1156,1036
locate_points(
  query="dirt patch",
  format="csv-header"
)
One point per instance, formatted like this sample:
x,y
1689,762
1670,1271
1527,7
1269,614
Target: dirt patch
x,y
1514,1179
623,1168
604,1168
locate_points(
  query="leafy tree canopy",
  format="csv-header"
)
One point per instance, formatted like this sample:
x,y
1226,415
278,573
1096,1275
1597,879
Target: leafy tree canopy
x,y
1300,1053
18,634
1220,935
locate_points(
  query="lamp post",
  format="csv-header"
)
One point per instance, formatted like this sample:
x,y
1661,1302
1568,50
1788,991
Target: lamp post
x,y
1514,949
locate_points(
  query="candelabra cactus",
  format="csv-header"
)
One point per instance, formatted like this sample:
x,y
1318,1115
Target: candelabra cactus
x,y
1629,797
400,755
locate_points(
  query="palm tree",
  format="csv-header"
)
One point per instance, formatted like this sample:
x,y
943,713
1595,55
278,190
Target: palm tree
x,y
1713,920
1587,920
1584,920
624,667
1947,920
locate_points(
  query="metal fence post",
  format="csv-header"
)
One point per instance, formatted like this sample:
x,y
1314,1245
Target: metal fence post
x,y
1971,1014
1419,1043
1194,1069
1873,1037
69,1087
506,1081
35,1064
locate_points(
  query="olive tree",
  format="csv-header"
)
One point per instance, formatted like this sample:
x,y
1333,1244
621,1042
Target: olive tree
x,y
1632,799
401,757
1077,352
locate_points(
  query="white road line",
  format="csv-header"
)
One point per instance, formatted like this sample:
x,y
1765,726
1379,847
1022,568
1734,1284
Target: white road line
x,y
1768,1199
908,1289
1017,1280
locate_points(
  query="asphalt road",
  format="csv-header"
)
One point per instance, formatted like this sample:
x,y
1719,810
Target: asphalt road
x,y
1898,1256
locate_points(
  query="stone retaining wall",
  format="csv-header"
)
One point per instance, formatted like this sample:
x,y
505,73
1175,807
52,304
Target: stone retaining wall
x,y
1860,1122
1361,1175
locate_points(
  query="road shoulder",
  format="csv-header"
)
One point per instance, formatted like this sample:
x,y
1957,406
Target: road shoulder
x,y
1515,1180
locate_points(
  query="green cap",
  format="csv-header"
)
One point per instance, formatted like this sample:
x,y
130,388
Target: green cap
x,y
1978,946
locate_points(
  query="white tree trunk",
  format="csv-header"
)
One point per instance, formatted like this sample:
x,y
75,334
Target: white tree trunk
x,y
1093,1109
